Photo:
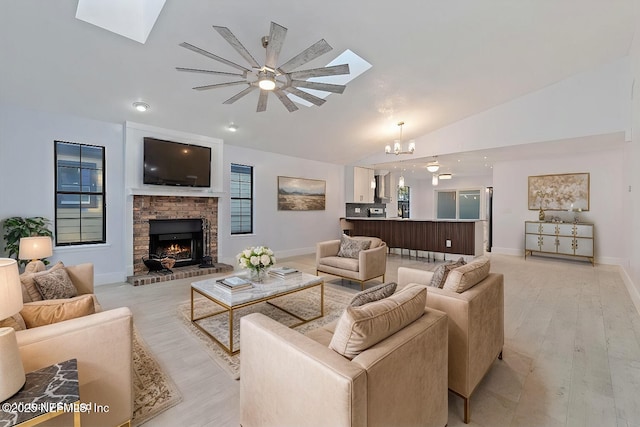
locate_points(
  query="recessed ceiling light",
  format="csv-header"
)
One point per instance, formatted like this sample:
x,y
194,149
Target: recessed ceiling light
x,y
232,128
141,106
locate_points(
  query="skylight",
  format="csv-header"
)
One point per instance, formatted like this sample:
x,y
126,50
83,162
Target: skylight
x,y
357,66
133,19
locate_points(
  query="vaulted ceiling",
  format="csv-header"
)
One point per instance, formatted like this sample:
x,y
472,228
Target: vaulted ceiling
x,y
433,63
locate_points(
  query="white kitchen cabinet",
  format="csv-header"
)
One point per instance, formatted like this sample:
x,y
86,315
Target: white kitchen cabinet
x,y
576,240
362,190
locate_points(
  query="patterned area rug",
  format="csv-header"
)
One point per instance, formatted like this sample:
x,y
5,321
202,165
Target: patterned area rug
x,y
153,390
305,304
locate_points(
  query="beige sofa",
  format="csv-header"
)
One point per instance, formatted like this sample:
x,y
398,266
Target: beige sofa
x,y
102,344
476,327
290,379
369,264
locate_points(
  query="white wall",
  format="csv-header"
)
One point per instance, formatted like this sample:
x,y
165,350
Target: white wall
x,y
632,207
288,233
27,169
607,201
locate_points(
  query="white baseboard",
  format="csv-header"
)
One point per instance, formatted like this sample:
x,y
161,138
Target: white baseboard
x,y
631,288
106,278
507,251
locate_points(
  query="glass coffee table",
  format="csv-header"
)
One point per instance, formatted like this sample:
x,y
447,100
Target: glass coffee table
x,y
269,289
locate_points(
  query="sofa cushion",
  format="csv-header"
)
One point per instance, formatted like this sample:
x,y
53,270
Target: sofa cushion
x,y
340,262
55,285
16,322
30,290
40,313
373,294
351,247
462,278
442,271
361,327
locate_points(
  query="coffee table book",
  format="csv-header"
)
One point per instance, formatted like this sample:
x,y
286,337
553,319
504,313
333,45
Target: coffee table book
x,y
233,284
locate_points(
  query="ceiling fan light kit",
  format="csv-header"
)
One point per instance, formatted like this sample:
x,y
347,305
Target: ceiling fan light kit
x,y
269,77
433,166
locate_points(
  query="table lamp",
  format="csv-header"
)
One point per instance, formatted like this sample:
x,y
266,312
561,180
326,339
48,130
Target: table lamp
x,y
35,248
11,369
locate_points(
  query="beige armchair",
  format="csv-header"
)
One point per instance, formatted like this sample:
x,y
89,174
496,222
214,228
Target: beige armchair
x,y
476,327
102,344
289,379
370,264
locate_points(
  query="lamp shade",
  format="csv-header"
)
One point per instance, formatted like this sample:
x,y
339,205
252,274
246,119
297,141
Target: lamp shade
x,y
10,289
36,247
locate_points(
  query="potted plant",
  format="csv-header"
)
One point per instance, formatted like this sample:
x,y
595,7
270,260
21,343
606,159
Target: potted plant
x,y
17,227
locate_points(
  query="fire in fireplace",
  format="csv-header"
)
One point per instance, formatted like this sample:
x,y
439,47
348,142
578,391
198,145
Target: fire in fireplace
x,y
181,239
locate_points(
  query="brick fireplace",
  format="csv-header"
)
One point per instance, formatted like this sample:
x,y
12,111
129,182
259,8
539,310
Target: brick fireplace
x,y
150,208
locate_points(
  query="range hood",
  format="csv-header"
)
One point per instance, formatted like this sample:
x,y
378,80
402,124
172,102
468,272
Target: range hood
x,y
383,187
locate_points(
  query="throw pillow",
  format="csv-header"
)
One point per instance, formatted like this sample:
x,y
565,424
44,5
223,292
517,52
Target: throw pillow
x,y
350,248
467,276
16,322
442,271
40,313
55,285
30,290
362,327
373,294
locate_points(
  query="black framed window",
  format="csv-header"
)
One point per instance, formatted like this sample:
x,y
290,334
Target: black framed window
x,y
80,194
241,199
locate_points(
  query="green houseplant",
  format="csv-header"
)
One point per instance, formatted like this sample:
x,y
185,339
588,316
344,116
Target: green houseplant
x,y
17,227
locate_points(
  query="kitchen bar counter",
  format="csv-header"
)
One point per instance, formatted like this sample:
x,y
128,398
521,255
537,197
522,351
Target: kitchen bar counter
x,y
452,237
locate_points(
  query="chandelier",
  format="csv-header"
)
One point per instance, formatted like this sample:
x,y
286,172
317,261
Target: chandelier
x,y
397,145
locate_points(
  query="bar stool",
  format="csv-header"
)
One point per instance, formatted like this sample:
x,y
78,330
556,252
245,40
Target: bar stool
x,y
346,226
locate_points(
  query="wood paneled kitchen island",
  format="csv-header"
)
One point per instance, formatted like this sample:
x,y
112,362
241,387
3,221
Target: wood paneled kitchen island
x,y
451,237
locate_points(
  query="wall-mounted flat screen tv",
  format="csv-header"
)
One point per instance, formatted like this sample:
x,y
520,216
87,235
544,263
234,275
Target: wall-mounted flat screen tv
x,y
175,163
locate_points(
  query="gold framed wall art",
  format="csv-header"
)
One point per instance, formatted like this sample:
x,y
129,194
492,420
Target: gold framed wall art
x,y
301,194
561,192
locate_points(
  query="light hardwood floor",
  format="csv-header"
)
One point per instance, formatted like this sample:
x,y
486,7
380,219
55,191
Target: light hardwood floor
x,y
571,357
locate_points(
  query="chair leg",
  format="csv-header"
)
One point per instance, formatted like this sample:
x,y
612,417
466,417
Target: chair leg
x,y
467,410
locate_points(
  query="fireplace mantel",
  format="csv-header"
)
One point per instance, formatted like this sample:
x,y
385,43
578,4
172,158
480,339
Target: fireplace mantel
x,y
174,191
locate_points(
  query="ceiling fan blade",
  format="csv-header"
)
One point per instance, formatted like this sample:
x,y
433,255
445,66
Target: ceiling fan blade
x,y
262,101
239,95
335,70
233,41
218,73
285,100
215,86
312,52
326,87
305,95
274,45
214,57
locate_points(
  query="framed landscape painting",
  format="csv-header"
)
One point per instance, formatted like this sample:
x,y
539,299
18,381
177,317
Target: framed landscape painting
x,y
562,192
301,194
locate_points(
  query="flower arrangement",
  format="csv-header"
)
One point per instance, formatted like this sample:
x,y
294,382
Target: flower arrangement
x,y
256,258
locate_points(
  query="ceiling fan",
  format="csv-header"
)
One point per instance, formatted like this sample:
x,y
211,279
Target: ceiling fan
x,y
270,77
